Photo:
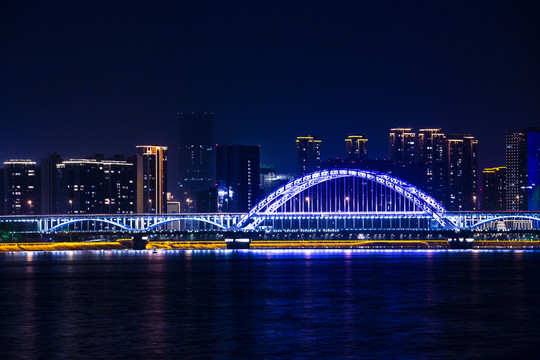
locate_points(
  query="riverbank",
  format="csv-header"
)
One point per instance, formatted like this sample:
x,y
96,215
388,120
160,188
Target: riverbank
x,y
127,244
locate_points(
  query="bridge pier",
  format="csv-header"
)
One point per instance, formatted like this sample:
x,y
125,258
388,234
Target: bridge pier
x,y
138,242
237,243
460,241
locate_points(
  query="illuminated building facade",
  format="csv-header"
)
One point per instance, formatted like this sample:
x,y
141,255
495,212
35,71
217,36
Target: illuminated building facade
x,y
151,179
493,189
308,154
20,188
356,148
195,157
516,171
431,162
237,176
462,173
96,186
523,170
402,146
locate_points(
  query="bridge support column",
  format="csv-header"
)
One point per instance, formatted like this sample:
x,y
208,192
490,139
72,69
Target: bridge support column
x,y
138,242
461,241
237,243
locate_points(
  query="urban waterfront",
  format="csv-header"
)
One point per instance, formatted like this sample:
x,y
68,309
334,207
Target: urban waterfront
x,y
270,303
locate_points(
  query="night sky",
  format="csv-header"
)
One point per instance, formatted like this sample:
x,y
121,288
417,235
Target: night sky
x,y
84,77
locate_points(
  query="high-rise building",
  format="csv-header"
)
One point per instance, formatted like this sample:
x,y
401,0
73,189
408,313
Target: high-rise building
x,y
523,170
462,172
151,179
95,186
431,150
195,148
356,147
21,196
2,199
516,171
237,175
49,186
402,146
533,169
493,189
308,154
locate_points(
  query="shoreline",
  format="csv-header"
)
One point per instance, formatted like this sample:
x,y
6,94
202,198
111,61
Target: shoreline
x,y
127,244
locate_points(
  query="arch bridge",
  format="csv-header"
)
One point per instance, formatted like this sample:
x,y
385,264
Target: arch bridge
x,y
327,200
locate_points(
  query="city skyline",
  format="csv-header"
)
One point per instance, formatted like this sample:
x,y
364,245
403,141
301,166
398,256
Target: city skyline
x,y
118,75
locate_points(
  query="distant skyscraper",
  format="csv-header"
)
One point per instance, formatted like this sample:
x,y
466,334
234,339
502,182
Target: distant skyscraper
x,y
356,147
20,188
2,200
431,147
494,189
516,171
237,175
523,170
195,156
308,154
95,186
151,179
49,186
402,149
462,172
533,169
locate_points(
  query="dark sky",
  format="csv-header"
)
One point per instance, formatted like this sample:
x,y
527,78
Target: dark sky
x,y
84,77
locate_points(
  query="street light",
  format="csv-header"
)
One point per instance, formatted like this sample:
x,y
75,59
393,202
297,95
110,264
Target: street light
x,y
348,206
30,205
71,205
149,205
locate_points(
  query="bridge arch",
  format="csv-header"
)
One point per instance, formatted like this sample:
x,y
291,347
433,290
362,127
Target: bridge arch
x,y
271,203
74,221
501,218
164,222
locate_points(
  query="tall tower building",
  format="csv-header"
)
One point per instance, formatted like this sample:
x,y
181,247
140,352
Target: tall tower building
x,y
151,179
516,171
195,148
21,188
494,189
238,176
308,154
2,192
431,146
49,186
402,149
462,172
523,170
356,147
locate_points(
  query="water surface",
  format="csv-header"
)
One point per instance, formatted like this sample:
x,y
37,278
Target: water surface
x,y
310,304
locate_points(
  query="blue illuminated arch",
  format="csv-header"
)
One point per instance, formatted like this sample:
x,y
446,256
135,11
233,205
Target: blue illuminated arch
x,y
56,227
272,202
161,223
504,217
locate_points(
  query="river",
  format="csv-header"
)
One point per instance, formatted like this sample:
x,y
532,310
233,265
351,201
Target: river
x,y
254,304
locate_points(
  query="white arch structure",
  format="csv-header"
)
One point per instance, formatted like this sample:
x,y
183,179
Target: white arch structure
x,y
272,202
161,223
128,228
499,218
73,221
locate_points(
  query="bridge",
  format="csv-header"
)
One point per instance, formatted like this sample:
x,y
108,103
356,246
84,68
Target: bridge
x,y
342,200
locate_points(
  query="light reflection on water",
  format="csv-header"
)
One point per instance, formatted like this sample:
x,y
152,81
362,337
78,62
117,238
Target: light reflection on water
x,y
269,303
